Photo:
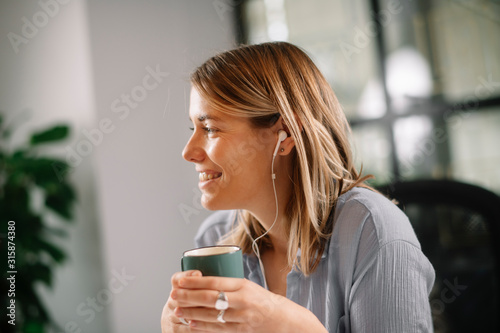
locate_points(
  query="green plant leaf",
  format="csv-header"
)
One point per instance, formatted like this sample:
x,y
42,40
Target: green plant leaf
x,y
56,253
41,272
18,167
60,200
45,174
16,197
34,326
61,169
19,154
55,133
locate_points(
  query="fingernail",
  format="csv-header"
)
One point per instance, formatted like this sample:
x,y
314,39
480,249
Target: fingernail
x,y
192,323
182,282
173,294
178,312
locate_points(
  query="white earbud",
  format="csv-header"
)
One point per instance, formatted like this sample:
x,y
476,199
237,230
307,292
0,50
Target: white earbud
x,y
281,137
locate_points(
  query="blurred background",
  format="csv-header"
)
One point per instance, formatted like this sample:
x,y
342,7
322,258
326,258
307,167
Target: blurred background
x,y
418,80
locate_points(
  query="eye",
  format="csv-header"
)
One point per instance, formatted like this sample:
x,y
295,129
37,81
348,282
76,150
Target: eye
x,y
209,130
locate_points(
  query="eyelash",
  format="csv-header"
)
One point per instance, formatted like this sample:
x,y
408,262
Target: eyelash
x,y
209,130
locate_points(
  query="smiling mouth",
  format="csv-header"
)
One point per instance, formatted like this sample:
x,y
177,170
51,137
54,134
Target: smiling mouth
x,y
204,176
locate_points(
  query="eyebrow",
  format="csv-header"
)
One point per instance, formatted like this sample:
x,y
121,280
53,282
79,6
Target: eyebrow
x,y
205,116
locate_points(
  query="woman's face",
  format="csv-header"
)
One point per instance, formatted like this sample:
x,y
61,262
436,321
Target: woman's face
x,y
233,159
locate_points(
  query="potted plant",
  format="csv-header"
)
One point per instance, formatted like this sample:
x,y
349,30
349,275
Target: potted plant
x,y
29,255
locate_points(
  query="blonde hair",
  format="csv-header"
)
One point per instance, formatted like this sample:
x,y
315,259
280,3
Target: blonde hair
x,y
262,82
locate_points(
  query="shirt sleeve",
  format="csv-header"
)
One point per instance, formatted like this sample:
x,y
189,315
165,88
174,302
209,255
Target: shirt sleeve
x,y
392,294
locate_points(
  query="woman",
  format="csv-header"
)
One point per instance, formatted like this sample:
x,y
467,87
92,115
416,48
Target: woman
x,y
270,143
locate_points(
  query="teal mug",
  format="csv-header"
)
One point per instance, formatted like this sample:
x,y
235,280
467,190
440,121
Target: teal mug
x,y
223,260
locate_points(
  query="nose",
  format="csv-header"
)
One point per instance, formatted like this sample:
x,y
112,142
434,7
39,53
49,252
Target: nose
x,y
193,151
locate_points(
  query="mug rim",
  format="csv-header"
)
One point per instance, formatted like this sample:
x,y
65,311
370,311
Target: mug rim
x,y
235,247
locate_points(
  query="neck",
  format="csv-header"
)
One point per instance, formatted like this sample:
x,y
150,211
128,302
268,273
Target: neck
x,y
266,212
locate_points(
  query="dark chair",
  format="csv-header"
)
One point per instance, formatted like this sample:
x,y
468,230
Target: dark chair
x,y
458,227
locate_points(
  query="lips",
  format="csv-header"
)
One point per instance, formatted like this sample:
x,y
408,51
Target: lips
x,y
205,176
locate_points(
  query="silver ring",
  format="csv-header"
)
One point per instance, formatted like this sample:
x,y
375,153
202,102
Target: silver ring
x,y
182,320
220,317
221,303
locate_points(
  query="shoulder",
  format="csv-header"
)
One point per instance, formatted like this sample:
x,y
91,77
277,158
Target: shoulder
x,y
370,230
214,227
372,217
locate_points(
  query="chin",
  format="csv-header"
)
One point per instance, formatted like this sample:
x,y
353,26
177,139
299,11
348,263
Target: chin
x,y
210,204
216,204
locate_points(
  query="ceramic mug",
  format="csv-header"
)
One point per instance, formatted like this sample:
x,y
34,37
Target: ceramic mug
x,y
221,260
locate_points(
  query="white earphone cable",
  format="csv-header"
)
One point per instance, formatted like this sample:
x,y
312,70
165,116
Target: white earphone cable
x,y
255,248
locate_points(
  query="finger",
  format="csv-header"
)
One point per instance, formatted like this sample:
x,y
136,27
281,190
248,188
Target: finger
x,y
203,326
195,297
179,275
182,328
179,324
172,304
210,282
206,314
171,323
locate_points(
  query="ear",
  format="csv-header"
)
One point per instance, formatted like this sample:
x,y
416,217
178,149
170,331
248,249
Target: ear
x,y
286,146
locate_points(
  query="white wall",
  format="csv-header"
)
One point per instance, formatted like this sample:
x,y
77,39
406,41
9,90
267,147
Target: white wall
x,y
49,76
137,196
143,181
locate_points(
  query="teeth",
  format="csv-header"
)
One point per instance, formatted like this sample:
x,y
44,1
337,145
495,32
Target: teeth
x,y
204,176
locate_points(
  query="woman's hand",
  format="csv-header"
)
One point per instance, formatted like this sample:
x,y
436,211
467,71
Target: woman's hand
x,y
170,323
251,307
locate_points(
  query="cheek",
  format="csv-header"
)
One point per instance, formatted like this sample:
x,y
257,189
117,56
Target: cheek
x,y
245,159
218,152
256,167
219,155
230,158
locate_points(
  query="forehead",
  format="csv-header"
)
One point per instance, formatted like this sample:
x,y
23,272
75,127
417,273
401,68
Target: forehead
x,y
200,110
196,103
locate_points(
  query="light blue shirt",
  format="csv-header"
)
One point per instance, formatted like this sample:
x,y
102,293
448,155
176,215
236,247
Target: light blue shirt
x,y
373,276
